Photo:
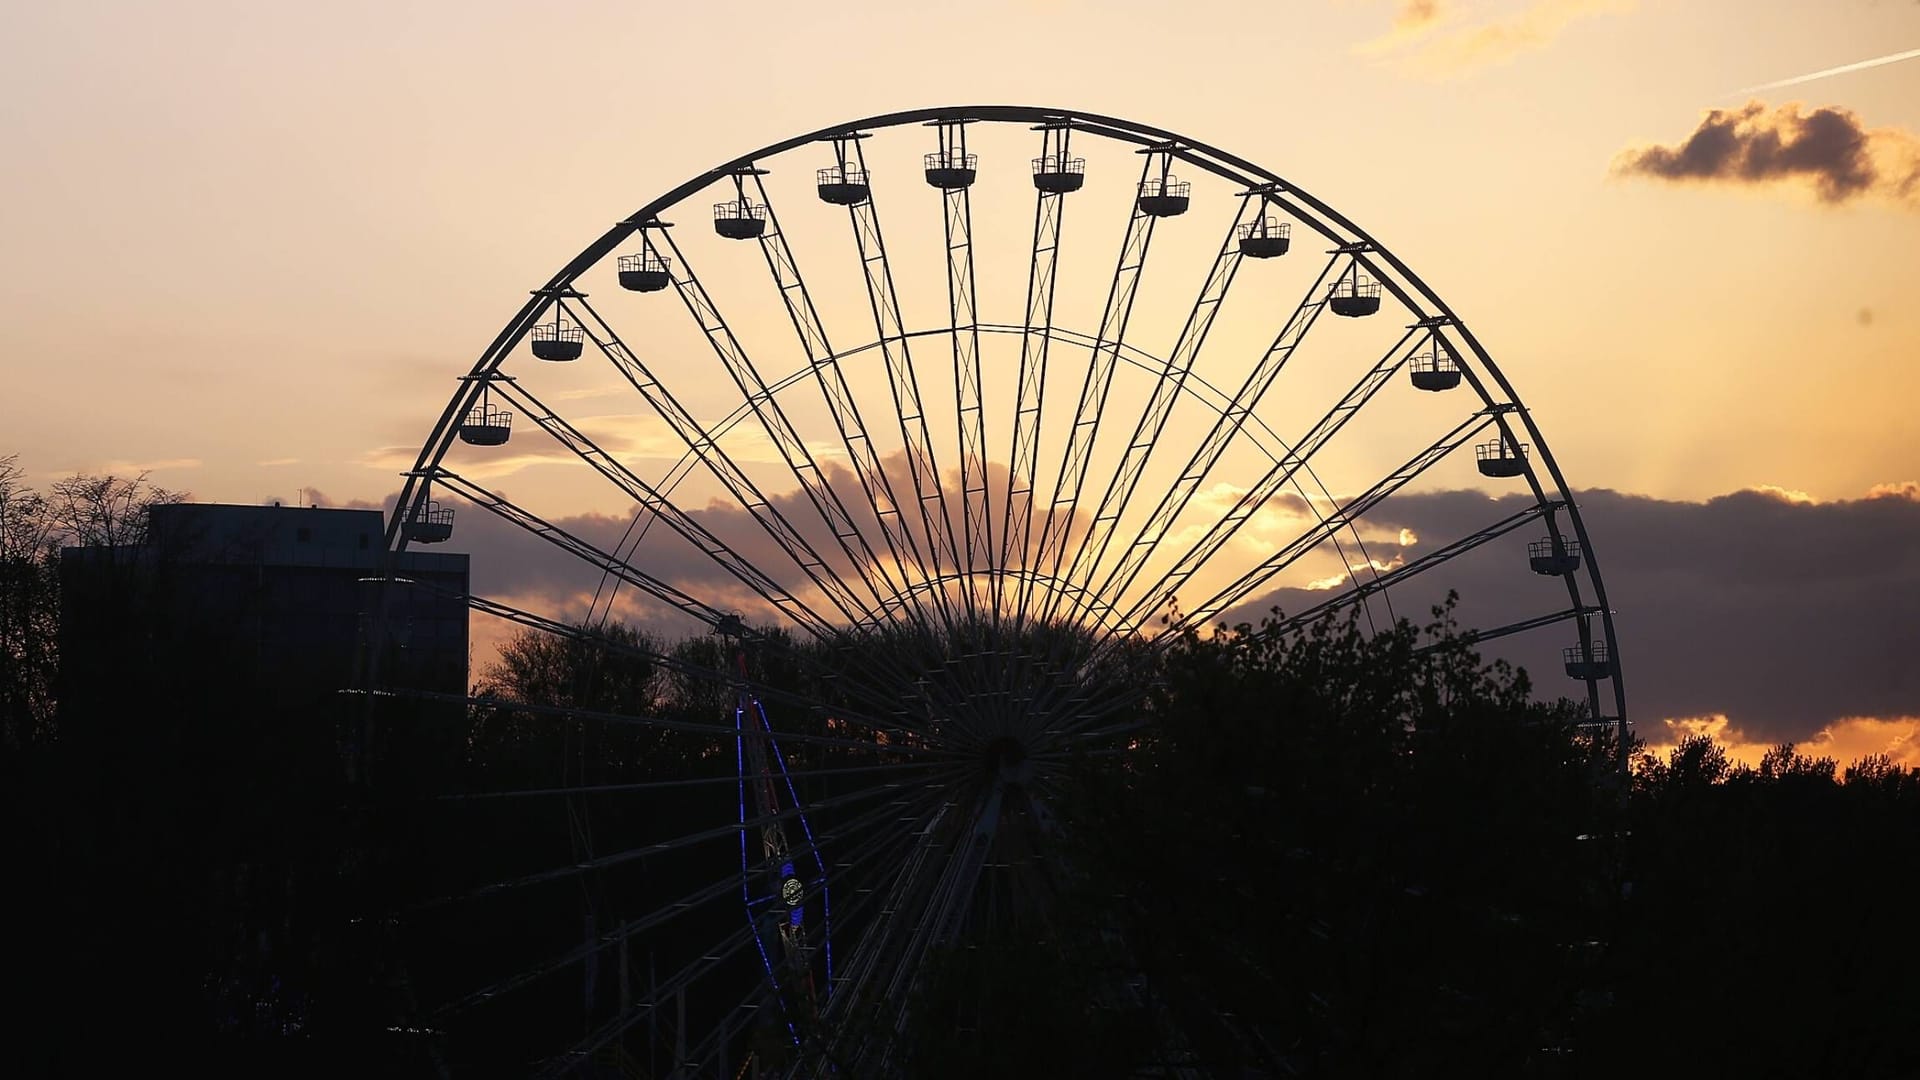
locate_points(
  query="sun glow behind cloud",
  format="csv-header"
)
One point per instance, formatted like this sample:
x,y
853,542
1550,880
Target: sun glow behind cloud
x,y
1845,740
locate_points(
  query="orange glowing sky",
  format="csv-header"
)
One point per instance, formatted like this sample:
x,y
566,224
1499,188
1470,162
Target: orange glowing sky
x,y
248,245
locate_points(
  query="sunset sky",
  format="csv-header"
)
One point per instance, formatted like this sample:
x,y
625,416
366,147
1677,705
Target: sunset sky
x,y
249,246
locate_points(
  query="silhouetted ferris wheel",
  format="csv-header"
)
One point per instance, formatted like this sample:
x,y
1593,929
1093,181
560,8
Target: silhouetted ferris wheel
x,y
959,476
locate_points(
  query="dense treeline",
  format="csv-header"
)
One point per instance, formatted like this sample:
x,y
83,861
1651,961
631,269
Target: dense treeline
x,y
1343,854
1349,855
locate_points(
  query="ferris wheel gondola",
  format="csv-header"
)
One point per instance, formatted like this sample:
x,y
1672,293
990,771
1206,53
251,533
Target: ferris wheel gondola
x,y
973,523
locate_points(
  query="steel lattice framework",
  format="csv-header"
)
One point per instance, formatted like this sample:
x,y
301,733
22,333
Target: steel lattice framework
x,y
980,526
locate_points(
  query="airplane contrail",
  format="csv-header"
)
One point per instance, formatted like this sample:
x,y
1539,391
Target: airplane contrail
x,y
1843,69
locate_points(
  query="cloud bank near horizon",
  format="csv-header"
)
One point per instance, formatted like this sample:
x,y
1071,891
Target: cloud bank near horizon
x,y
1783,615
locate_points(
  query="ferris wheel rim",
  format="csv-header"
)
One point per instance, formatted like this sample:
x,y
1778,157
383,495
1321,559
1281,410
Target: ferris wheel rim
x,y
1316,213
1501,408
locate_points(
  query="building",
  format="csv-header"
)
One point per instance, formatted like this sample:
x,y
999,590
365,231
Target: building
x,y
280,597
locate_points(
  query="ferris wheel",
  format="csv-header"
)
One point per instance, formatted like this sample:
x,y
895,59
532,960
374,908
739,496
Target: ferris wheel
x,y
1093,385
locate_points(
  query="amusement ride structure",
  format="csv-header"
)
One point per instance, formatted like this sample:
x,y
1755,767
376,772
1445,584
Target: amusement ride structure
x,y
964,537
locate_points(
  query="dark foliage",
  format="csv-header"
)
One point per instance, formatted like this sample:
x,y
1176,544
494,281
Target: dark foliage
x,y
1343,854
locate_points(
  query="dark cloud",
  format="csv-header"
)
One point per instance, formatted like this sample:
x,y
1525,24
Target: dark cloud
x,y
513,566
1782,615
1827,148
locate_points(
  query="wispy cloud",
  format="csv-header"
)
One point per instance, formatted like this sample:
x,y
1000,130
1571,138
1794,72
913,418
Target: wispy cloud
x,y
1827,151
273,462
121,467
1412,20
1437,39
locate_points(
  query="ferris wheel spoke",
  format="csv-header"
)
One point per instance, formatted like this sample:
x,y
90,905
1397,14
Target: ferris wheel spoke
x,y
1067,591
660,847
888,969
661,723
1232,420
1228,425
1511,437
901,825
1283,472
865,890
955,889
580,549
953,166
773,419
660,785
1352,511
715,892
843,407
705,448
1474,637
933,892
930,646
1079,728
1030,381
652,502
901,895
665,991
893,893
1159,407
922,462
624,571
1288,624
1090,603
1077,455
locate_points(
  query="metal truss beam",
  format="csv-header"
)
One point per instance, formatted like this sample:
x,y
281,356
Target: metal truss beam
x,y
709,1048
1474,637
773,420
702,446
1282,473
1031,384
1078,453
1159,408
922,462
969,409
1352,511
663,913
1290,623
651,501
842,406
578,548
1214,445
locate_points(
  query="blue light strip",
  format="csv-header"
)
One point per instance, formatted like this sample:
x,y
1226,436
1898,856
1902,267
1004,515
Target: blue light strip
x,y
746,891
826,899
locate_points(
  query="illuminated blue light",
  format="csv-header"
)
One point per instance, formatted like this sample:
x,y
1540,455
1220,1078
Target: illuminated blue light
x,y
826,900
